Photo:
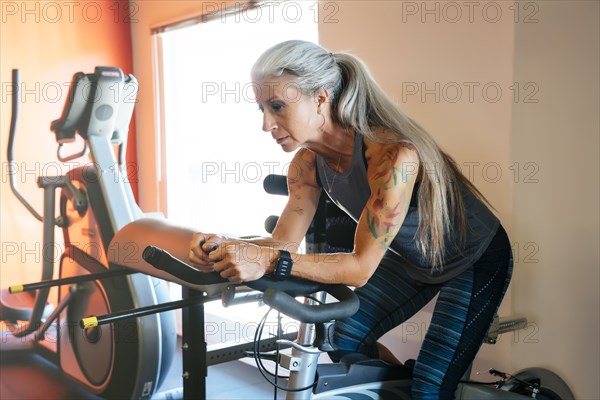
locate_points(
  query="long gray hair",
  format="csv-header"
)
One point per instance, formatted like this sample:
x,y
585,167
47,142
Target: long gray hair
x,y
358,102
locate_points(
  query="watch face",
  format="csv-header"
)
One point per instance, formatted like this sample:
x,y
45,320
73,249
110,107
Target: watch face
x,y
284,264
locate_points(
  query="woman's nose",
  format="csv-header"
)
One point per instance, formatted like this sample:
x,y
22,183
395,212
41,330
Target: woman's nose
x,y
268,122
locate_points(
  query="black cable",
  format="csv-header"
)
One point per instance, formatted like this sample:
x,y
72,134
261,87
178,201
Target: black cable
x,y
314,299
257,336
277,354
261,368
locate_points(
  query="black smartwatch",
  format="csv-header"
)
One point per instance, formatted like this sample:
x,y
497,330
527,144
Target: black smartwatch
x,y
284,264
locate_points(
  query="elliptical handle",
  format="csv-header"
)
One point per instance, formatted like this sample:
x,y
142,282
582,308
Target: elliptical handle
x,y
11,139
14,115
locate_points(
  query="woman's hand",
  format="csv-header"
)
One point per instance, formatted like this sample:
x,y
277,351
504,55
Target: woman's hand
x,y
239,261
200,247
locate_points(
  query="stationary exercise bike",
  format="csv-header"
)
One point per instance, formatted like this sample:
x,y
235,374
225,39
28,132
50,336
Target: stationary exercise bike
x,y
356,376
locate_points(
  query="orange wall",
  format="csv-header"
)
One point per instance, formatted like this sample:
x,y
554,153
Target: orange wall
x,y
48,42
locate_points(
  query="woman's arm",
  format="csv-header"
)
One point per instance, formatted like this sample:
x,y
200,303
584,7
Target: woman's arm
x,y
304,193
392,172
391,176
291,226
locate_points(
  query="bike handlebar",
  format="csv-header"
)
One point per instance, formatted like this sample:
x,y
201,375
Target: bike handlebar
x,y
163,260
346,306
278,293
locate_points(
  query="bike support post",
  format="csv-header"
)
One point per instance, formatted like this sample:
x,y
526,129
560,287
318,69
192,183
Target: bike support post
x,y
194,347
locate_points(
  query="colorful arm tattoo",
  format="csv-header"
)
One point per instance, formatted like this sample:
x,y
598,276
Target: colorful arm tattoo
x,y
382,218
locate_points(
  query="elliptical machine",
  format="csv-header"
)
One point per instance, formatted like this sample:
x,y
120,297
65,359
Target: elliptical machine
x,y
128,359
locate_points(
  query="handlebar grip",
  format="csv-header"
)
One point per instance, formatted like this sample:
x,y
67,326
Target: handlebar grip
x,y
276,184
291,286
161,259
346,306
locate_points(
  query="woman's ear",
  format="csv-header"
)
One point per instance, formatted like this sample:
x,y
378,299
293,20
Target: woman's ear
x,y
322,99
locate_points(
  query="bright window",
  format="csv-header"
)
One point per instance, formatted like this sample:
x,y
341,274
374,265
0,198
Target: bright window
x,y
216,153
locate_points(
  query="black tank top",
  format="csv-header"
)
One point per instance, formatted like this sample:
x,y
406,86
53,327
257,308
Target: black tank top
x,y
350,191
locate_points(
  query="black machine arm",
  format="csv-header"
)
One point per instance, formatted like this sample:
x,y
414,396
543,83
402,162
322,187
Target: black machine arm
x,y
11,140
278,293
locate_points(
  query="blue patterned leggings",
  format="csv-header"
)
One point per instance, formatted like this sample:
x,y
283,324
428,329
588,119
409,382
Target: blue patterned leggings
x,y
463,313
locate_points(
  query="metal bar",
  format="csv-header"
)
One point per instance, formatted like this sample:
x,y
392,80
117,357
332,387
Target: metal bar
x,y
39,335
94,321
306,337
49,185
235,352
512,324
68,281
234,295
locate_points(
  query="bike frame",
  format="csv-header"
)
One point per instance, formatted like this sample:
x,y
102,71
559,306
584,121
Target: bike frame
x,y
303,360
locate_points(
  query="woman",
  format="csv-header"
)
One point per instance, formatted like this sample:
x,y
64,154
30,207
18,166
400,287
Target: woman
x,y
422,229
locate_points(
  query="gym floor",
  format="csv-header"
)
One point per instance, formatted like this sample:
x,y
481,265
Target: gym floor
x,y
25,375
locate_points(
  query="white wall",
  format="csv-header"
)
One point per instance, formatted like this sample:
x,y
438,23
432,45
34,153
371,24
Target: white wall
x,y
559,213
